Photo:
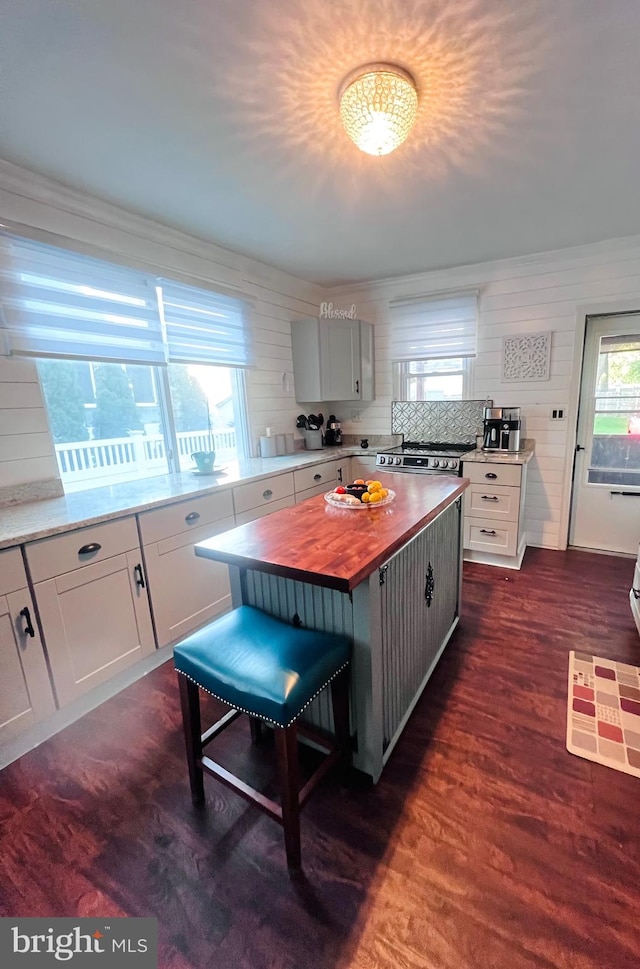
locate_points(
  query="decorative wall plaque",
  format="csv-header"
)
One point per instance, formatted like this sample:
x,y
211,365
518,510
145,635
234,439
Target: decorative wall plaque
x,y
526,357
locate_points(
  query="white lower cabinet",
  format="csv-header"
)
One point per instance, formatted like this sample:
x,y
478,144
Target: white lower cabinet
x,y
260,498
494,521
90,590
320,478
25,689
185,591
363,466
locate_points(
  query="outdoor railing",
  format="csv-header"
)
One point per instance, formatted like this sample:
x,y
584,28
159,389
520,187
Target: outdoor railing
x,y
136,456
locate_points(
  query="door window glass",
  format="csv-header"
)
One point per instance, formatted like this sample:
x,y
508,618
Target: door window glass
x,y
615,448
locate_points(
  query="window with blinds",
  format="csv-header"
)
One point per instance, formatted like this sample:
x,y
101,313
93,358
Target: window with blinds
x,y
433,342
114,347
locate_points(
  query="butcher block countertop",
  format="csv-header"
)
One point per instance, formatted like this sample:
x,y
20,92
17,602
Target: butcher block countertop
x,y
333,547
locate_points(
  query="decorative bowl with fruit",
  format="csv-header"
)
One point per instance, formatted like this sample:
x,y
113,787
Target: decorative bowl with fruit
x,y
360,494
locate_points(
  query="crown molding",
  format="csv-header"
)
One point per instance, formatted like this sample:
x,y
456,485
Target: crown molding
x,y
226,265
482,270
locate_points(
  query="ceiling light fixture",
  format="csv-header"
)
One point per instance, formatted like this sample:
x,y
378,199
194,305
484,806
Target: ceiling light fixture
x,y
378,106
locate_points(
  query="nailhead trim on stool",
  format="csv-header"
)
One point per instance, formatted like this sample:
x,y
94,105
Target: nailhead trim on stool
x,y
281,669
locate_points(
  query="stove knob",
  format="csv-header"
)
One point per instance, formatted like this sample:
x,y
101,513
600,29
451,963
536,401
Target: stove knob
x,y
398,461
382,459
435,463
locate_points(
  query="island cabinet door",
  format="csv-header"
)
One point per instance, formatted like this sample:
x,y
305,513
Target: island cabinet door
x,y
419,605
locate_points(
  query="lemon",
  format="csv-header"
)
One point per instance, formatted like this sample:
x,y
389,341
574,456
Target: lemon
x,y
383,492
373,486
373,498
366,497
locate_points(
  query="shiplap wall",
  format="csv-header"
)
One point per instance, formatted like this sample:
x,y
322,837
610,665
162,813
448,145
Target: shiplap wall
x,y
551,291
26,448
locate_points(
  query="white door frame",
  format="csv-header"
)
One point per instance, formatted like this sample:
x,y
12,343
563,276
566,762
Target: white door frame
x,y
608,307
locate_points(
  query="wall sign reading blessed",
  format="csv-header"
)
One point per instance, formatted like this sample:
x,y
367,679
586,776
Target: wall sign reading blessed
x,y
327,312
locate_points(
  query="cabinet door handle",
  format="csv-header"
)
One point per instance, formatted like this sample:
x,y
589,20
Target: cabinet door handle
x,y
137,571
267,494
487,531
317,477
28,625
88,549
491,474
490,498
340,475
357,386
193,516
636,593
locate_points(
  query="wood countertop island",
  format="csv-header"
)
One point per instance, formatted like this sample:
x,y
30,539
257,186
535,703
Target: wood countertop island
x,y
336,547
388,577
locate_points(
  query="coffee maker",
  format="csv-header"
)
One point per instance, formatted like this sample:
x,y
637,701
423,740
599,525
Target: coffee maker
x,y
333,433
501,430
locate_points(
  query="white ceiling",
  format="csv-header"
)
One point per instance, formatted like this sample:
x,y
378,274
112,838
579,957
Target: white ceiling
x,y
220,117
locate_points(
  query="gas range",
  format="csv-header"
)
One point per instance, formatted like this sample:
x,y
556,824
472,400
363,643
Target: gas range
x,y
424,457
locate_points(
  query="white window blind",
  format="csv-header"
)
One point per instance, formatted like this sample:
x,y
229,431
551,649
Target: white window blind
x,y
205,327
430,327
57,303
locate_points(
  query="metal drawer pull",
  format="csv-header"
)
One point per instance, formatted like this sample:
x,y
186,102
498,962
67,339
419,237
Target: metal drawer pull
x,y
490,498
28,625
487,531
636,593
317,477
137,571
357,386
193,516
267,494
491,474
88,549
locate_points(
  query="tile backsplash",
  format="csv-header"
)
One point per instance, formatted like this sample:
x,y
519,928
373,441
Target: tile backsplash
x,y
450,421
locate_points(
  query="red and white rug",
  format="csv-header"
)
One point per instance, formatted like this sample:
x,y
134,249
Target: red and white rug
x,y
603,712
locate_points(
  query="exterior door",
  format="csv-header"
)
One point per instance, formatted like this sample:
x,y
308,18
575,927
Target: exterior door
x,y
605,511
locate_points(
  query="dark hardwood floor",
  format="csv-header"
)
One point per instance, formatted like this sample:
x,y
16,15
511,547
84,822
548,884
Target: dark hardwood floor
x,y
484,845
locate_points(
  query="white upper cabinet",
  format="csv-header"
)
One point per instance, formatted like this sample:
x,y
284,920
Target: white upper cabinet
x,y
332,359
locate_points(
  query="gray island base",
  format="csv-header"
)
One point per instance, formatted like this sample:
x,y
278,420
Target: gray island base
x,y
400,614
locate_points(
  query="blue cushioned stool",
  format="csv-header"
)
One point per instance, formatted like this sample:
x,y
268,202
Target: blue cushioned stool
x,y
271,670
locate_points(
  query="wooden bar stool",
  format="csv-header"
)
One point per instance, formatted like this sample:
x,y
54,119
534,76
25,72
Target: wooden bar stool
x,y
271,670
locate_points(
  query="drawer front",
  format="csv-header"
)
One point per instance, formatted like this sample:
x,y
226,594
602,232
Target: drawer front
x,y
63,553
253,513
184,516
12,574
261,493
312,492
497,474
500,538
497,503
315,476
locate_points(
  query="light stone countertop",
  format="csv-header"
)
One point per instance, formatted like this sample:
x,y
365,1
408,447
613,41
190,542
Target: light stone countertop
x,y
502,457
34,520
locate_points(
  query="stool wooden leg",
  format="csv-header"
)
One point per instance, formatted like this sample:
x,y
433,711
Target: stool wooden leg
x,y
340,705
190,703
287,754
255,725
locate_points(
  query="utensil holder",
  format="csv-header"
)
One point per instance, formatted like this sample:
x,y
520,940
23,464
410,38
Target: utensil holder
x,y
312,440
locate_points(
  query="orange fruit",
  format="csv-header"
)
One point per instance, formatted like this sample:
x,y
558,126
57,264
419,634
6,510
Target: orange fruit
x,y
359,481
